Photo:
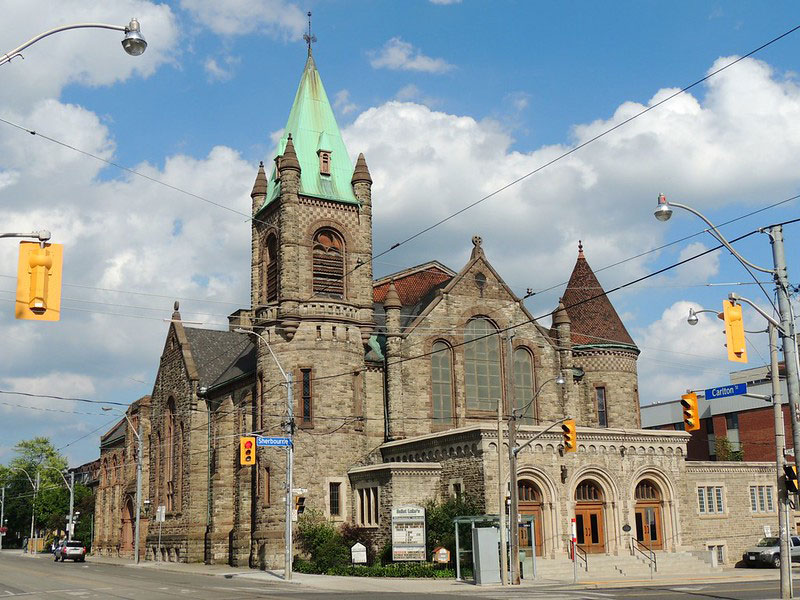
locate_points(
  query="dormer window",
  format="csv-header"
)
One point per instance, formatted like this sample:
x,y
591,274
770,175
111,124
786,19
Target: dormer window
x,y
324,162
277,168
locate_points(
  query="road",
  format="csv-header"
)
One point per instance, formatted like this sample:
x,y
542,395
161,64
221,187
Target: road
x,y
42,578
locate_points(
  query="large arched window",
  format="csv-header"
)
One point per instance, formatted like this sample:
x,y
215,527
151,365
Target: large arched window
x,y
328,267
483,382
269,272
523,387
442,383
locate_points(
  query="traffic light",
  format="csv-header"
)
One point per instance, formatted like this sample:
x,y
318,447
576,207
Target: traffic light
x,y
39,281
570,437
791,478
299,505
691,417
247,451
734,331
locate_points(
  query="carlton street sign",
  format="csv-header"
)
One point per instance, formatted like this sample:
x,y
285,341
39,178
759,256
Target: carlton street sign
x,y
726,390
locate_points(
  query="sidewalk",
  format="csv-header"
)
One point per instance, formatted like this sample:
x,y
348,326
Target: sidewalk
x,y
428,586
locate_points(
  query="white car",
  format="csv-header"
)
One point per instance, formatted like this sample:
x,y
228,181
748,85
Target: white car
x,y
73,550
768,552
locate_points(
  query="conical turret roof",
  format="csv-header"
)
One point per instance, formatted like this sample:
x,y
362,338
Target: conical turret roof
x,y
312,126
594,321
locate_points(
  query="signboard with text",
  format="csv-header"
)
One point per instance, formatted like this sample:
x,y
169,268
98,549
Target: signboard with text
x,y
725,391
408,533
279,442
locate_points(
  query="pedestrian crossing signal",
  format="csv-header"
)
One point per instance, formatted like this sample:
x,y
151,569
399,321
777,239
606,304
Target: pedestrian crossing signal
x,y
791,478
247,451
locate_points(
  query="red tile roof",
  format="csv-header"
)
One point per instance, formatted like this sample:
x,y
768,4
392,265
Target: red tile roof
x,y
594,321
412,285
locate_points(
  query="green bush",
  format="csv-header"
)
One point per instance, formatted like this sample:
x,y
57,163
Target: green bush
x,y
418,570
439,521
322,542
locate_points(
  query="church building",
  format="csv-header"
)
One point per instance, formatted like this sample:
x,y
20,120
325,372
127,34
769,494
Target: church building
x,y
396,388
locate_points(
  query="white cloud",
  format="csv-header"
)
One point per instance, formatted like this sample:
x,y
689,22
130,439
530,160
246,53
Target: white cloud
x,y
398,55
518,100
276,18
221,70
343,104
698,271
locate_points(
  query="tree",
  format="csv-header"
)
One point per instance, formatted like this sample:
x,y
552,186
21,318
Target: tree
x,y
33,456
724,450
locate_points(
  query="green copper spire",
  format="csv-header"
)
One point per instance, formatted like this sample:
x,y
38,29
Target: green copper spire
x,y
313,128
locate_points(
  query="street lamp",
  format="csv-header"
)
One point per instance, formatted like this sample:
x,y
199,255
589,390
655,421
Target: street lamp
x,y
289,453
781,276
71,487
35,487
780,442
513,450
133,42
138,479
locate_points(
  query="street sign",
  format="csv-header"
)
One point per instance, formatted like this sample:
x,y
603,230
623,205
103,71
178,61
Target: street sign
x,y
726,390
300,491
280,442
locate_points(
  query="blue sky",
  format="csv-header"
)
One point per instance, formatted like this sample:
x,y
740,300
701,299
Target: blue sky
x,y
449,101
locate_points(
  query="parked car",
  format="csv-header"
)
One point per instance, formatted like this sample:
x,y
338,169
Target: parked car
x,y
768,552
73,550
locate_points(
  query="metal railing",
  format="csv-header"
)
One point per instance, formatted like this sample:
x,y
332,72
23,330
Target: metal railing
x,y
581,554
647,554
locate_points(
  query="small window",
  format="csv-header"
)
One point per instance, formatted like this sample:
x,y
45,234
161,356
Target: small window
x,y
324,162
368,508
306,401
334,499
328,264
710,500
588,491
602,413
761,499
732,421
457,491
442,384
523,387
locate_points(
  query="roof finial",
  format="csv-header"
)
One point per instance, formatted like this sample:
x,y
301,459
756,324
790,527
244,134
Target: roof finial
x,y
308,37
580,249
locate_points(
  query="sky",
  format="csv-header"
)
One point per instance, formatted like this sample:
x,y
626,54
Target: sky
x,y
142,167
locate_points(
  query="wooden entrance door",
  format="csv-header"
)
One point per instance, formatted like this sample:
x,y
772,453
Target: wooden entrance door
x,y
648,515
530,503
589,526
648,525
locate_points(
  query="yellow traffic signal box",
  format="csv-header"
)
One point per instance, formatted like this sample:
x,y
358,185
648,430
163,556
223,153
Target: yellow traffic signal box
x,y
791,478
570,436
734,331
39,281
691,418
247,451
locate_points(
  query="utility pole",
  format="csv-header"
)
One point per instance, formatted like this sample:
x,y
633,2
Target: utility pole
x,y
138,487
2,514
787,331
33,511
780,445
501,493
71,528
512,462
289,477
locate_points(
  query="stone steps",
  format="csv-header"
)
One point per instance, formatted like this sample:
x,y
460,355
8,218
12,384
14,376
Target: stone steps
x,y
606,566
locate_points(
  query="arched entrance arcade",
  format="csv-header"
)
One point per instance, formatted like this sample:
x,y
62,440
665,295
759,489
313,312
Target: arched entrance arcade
x,y
530,504
649,528
590,517
126,539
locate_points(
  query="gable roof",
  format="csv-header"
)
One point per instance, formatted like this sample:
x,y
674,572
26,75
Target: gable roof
x,y
313,127
595,322
416,287
220,356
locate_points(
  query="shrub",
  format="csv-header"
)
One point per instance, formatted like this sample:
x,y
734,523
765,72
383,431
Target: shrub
x,y
322,542
439,521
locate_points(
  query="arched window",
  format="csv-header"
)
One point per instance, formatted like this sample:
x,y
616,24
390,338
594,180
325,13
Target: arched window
x,y
523,386
647,491
169,453
269,269
588,491
528,492
483,382
442,383
105,479
328,267
179,470
114,470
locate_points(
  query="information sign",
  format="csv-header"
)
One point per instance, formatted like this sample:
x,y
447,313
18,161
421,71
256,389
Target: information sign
x,y
280,442
724,391
358,554
408,533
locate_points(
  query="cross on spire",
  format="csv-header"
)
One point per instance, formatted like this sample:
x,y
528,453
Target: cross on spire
x,y
308,37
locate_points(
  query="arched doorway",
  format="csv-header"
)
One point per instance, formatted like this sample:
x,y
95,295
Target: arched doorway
x,y
530,503
589,517
126,543
649,529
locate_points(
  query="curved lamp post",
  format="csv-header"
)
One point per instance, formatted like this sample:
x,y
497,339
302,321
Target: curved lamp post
x,y
35,487
289,454
781,276
513,450
133,42
71,487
